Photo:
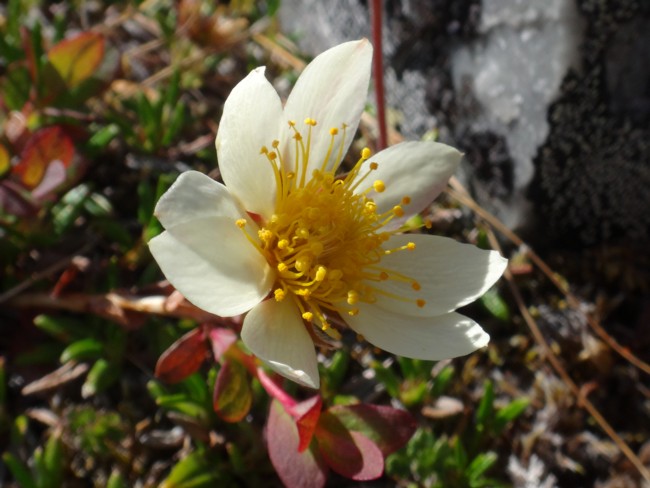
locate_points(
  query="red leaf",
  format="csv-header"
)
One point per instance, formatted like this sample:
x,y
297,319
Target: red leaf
x,y
232,392
77,58
350,454
296,469
307,414
221,340
389,428
44,147
182,358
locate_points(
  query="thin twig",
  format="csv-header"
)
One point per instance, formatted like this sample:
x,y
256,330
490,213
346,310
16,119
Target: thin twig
x,y
460,193
552,358
40,275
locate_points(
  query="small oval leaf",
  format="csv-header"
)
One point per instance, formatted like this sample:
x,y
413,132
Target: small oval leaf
x,y
77,58
44,147
296,469
182,358
232,392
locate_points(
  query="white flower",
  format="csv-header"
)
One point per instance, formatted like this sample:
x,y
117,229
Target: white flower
x,y
294,245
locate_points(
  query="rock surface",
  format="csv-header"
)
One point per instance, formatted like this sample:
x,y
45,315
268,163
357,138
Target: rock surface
x,y
550,101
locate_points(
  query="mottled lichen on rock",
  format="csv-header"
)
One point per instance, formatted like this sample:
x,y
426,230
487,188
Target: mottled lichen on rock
x,y
593,172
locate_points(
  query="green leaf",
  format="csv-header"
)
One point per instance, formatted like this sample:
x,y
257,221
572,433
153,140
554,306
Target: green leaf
x,y
116,480
509,413
485,411
53,461
81,350
59,326
388,378
101,138
195,471
102,375
15,87
232,392
19,471
495,305
479,465
442,381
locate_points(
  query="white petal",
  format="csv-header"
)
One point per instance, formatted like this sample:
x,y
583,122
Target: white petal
x,y
210,261
275,333
451,274
446,336
419,170
251,119
332,90
196,196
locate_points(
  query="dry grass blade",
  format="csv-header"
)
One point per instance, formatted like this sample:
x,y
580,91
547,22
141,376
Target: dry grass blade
x,y
459,193
552,358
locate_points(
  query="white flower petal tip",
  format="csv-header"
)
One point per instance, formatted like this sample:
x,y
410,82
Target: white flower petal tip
x,y
252,118
331,90
431,338
213,265
301,377
449,274
195,196
275,333
416,170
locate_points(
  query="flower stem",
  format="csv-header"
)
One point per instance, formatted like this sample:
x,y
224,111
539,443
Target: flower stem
x,y
378,72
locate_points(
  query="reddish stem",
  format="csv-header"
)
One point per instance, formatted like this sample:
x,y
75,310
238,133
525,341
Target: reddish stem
x,y
378,72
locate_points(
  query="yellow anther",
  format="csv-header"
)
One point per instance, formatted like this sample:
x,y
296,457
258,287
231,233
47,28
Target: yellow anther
x,y
353,297
279,294
291,175
308,316
334,131
304,292
324,326
353,312
310,121
302,233
272,155
321,272
383,276
297,136
275,143
371,206
420,303
292,123
282,267
365,153
379,186
410,246
265,235
241,223
416,286
398,211
264,150
283,244
374,166
303,264
406,200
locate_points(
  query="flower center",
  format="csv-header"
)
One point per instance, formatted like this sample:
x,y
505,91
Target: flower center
x,y
326,238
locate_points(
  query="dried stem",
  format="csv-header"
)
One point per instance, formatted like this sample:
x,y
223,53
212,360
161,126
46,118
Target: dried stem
x,y
552,358
459,193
